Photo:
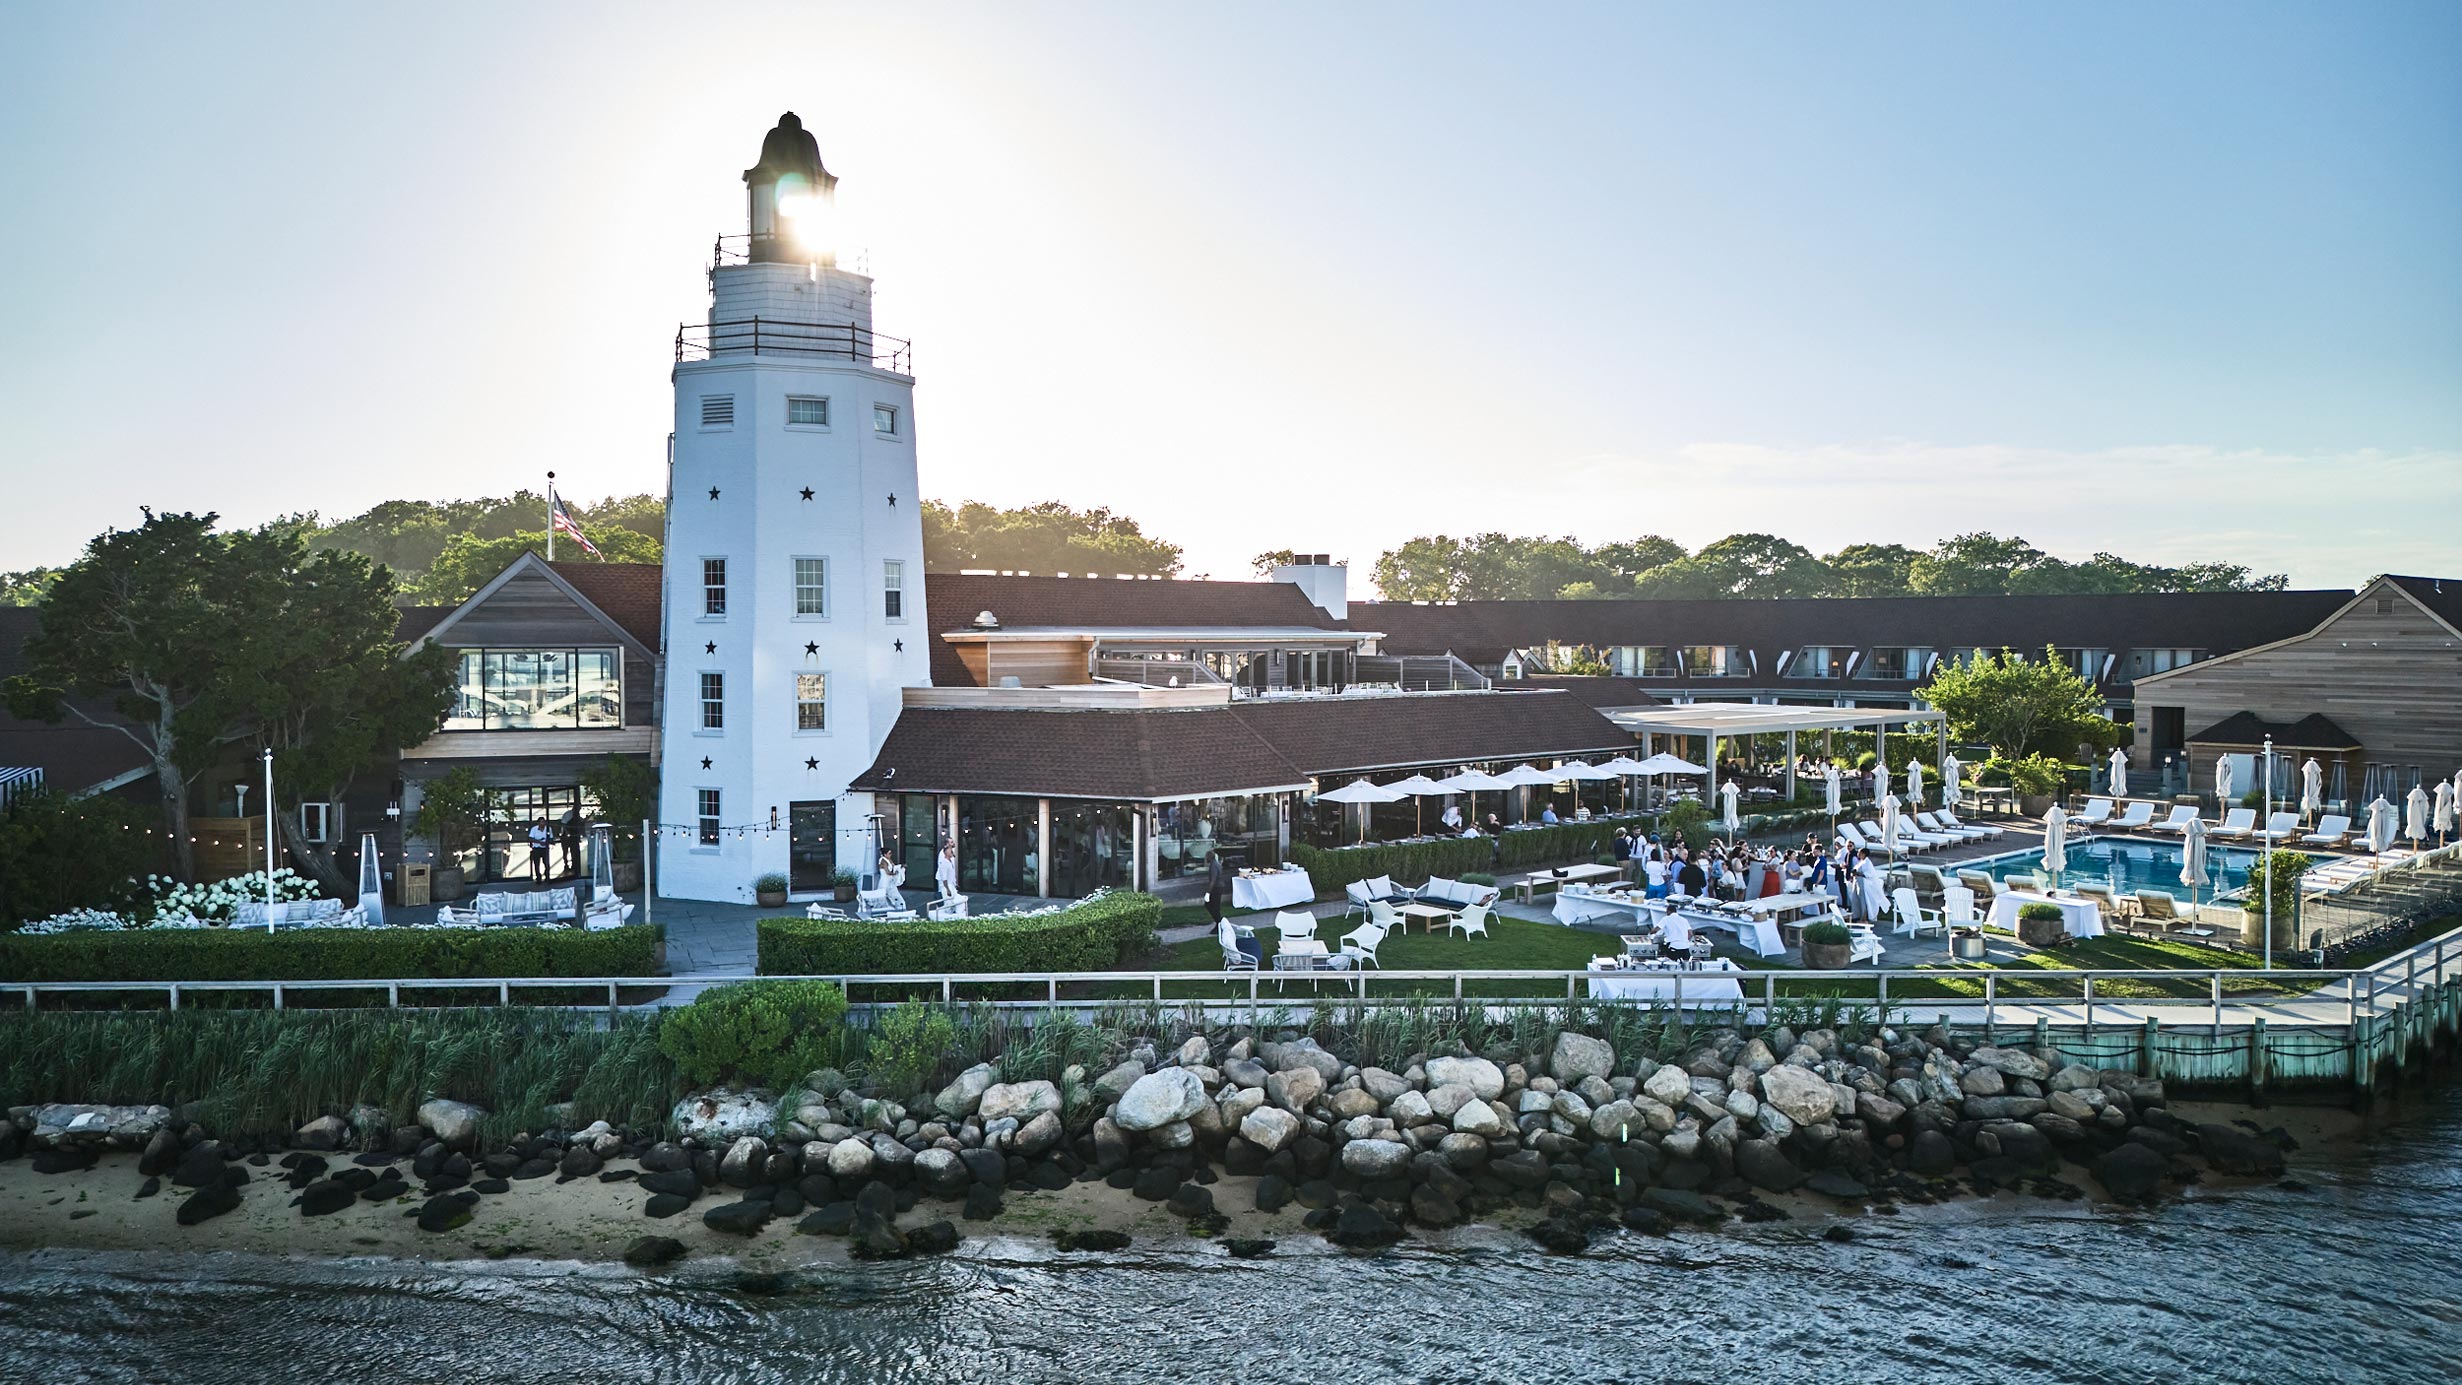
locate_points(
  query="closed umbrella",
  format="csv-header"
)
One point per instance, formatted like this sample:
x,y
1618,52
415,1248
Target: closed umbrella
x,y
1829,787
1361,792
2055,842
2415,815
1951,796
2444,808
1914,784
2222,783
2119,773
1889,824
2193,861
2312,788
2380,826
1727,796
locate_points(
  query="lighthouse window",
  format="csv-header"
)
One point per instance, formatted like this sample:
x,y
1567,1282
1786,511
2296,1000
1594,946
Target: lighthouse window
x,y
893,590
713,586
885,420
706,817
807,413
717,411
713,701
811,702
812,586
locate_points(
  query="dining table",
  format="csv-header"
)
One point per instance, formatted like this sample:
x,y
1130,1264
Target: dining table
x,y
2082,918
1272,889
1716,982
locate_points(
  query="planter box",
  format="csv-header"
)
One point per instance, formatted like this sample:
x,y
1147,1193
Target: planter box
x,y
1968,948
627,875
845,894
1827,956
2042,932
770,899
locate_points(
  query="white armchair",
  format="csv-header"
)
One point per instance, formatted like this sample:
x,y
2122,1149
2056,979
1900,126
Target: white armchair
x,y
1360,943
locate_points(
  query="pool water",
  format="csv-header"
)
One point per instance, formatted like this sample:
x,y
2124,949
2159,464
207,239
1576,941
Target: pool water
x,y
2130,865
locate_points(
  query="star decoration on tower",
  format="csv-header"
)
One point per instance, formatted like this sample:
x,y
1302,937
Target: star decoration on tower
x,y
899,645
710,648
893,500
807,492
812,764
705,762
812,647
713,492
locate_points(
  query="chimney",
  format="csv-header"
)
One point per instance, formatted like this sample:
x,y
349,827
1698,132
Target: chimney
x,y
1324,581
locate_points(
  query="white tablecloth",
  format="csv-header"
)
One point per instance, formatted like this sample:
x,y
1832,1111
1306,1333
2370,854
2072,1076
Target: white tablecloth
x,y
1276,890
1585,908
2083,917
1759,933
1715,984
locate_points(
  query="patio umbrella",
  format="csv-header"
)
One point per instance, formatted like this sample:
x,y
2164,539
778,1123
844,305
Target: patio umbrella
x,y
1472,782
1889,824
2415,815
1950,770
1418,786
1526,776
2444,808
1362,792
2380,826
2193,860
1583,772
2120,773
1829,786
1727,796
2055,842
2312,787
1624,767
2222,783
1914,784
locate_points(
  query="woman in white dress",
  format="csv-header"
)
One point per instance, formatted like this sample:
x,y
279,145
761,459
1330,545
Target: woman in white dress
x,y
1868,875
944,870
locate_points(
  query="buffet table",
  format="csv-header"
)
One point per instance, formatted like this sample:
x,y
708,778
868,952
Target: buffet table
x,y
1713,983
1272,889
2082,917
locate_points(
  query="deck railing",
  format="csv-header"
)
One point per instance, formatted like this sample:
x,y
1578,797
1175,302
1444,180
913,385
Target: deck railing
x,y
700,341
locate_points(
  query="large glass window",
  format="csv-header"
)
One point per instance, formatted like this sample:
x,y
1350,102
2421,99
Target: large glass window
x,y
1716,661
1819,661
537,690
506,851
1093,847
812,702
996,847
1245,830
713,701
1901,662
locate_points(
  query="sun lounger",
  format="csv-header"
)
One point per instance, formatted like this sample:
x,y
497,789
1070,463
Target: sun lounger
x,y
2160,909
2096,812
2135,819
2332,830
1931,823
2239,822
1949,821
2182,814
2281,827
1983,886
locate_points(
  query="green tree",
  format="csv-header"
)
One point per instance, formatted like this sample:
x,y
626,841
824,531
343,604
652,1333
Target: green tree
x,y
468,562
1971,565
1045,538
1740,565
1870,569
1263,564
1630,559
1427,568
27,588
452,812
59,853
2019,706
627,792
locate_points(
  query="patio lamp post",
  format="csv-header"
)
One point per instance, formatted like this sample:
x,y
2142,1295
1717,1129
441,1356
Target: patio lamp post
x,y
269,839
2266,848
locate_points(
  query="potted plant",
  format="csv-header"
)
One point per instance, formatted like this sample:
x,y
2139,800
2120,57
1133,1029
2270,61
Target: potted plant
x,y
843,884
1827,947
1966,943
453,813
769,891
2041,925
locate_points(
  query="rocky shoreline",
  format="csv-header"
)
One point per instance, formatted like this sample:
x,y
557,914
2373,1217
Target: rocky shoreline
x,y
1242,1139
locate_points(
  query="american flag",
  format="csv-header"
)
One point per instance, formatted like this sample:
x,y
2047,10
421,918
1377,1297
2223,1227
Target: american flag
x,y
566,525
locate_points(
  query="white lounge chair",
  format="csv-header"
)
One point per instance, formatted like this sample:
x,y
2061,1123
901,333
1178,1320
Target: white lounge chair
x,y
1868,836
1931,823
2097,812
2136,818
2332,830
1360,943
1949,819
1914,920
2281,827
1910,833
1863,944
2182,814
946,907
1232,958
1958,907
1471,922
2239,822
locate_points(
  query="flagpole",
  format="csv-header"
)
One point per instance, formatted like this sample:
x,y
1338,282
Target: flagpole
x,y
551,516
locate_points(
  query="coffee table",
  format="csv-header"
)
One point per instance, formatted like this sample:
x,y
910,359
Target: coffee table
x,y
1427,914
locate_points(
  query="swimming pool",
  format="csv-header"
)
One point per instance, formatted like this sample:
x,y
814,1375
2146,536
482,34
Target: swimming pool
x,y
2130,865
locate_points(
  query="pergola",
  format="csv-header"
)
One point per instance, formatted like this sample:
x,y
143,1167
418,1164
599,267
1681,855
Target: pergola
x,y
1734,719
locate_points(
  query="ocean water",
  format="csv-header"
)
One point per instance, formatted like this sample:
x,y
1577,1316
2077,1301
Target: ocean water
x,y
2356,1277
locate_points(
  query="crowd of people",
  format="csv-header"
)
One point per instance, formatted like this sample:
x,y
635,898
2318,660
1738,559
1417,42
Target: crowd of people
x,y
1737,870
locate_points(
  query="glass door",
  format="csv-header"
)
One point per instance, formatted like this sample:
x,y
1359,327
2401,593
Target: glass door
x,y
812,846
918,838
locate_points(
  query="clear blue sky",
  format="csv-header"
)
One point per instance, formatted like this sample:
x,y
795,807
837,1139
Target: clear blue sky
x,y
2180,281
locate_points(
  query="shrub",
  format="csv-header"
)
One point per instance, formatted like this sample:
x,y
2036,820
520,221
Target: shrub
x,y
1088,936
1412,862
761,1033
908,1046
2039,913
2033,775
59,853
1827,933
842,878
772,883
2283,869
326,954
1688,820
627,794
1476,877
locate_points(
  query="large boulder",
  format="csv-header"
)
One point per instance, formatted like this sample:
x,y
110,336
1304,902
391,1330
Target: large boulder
x,y
1578,1056
964,1094
715,1118
1383,1084
851,1159
2132,1172
1764,1165
1485,1079
1372,1159
1615,1120
2011,1062
1018,1101
1479,1118
941,1172
744,1161
2233,1150
1295,1087
1269,1128
1668,1086
1800,1094
454,1122
1037,1136
1113,1085
1159,1099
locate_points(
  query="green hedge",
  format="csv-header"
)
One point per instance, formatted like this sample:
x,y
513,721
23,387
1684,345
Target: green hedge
x,y
1409,863
325,954
1083,937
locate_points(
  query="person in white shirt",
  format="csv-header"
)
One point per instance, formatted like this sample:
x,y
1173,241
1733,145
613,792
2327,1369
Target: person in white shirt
x,y
1654,871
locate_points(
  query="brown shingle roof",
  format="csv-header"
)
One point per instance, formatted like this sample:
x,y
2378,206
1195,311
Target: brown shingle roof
x,y
2312,732
1588,691
629,593
1240,747
953,599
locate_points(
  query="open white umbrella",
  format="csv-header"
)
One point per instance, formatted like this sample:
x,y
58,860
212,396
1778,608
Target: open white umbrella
x,y
2222,784
2055,842
2119,785
2193,860
1361,792
1727,796
1951,795
1624,767
2380,826
1889,825
2312,787
1664,763
2415,815
1472,782
1418,786
2444,808
1914,784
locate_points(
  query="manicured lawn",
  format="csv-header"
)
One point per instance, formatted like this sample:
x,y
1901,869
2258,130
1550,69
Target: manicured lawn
x,y
1510,945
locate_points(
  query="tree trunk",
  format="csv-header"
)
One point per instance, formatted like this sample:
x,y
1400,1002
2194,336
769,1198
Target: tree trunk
x,y
312,860
174,786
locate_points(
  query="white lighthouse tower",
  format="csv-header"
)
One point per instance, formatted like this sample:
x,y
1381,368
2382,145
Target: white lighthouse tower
x,y
794,566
